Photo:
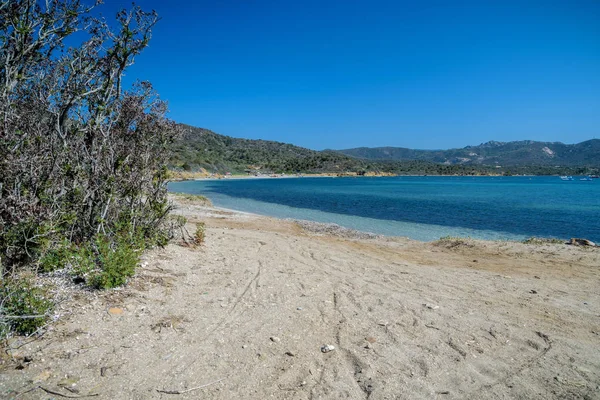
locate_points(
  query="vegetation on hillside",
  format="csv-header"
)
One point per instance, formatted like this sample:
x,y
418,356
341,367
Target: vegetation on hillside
x,y
520,153
202,149
82,159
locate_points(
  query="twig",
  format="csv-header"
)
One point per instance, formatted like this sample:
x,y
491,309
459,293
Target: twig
x,y
27,391
35,336
70,396
24,316
188,390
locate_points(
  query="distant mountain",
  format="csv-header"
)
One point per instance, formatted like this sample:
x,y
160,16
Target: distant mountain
x,y
520,153
203,149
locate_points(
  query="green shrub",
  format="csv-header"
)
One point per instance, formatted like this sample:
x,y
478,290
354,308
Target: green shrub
x,y
58,183
116,260
454,241
83,260
23,241
79,190
155,237
58,256
200,233
104,263
179,220
24,308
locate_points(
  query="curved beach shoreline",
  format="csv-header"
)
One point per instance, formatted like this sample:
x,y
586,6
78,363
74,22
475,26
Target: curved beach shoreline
x,y
247,313
422,208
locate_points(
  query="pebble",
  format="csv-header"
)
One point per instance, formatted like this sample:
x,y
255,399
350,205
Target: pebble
x,y
275,339
290,353
115,311
244,346
326,348
431,306
299,308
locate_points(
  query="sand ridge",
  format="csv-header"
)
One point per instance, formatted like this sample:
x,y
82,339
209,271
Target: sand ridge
x,y
245,315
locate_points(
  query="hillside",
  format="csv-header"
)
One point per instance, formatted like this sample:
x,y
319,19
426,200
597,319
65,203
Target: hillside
x,y
520,153
203,149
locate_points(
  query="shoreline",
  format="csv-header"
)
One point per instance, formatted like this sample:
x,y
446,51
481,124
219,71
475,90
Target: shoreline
x,y
191,176
204,177
337,230
362,232
315,226
251,307
334,175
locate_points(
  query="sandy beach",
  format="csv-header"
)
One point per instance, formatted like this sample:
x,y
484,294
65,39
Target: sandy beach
x,y
246,314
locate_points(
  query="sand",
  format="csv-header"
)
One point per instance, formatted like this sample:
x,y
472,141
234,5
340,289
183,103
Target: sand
x,y
244,316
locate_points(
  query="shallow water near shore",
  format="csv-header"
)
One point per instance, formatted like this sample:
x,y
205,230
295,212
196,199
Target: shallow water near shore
x,y
422,208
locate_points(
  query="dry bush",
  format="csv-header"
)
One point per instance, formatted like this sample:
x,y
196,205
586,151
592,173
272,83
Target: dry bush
x,y
82,160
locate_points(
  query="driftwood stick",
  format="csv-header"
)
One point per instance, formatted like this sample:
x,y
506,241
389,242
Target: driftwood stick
x,y
69,396
188,390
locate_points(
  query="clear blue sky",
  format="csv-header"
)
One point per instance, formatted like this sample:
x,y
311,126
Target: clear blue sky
x,y
341,74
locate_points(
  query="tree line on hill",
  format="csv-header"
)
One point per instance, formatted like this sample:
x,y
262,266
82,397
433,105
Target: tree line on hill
x,y
518,153
203,149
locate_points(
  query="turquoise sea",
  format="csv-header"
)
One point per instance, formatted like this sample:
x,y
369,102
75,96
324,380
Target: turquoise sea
x,y
422,208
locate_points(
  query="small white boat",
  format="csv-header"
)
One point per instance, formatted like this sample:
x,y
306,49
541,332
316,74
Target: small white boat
x,y
586,178
566,178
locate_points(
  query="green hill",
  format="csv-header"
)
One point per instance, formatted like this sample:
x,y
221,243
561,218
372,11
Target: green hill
x,y
520,153
204,149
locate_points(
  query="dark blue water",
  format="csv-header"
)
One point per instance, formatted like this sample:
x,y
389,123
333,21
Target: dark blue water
x,y
423,208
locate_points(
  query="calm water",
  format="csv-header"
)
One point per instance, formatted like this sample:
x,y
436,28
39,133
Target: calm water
x,y
422,208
